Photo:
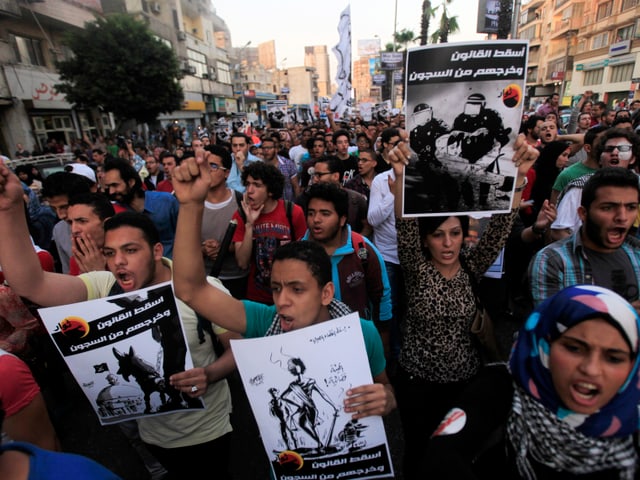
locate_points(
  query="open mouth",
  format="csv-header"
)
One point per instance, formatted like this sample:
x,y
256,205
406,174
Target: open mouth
x,y
125,280
584,391
286,322
616,235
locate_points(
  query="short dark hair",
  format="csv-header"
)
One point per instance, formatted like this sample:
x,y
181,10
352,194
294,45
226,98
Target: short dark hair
x,y
135,220
166,153
221,152
607,177
65,183
329,192
240,135
610,133
311,253
341,133
99,203
363,135
388,133
127,172
333,163
592,133
618,120
270,176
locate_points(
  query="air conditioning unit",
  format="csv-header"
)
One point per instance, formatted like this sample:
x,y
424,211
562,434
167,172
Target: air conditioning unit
x,y
182,36
212,73
205,76
155,7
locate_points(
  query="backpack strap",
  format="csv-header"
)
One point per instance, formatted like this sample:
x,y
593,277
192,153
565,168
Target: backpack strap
x,y
239,198
288,206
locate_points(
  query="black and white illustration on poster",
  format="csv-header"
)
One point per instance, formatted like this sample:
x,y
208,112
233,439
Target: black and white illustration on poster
x,y
240,122
277,113
122,350
223,129
464,106
296,391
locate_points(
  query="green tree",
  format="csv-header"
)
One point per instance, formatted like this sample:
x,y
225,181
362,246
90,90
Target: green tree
x,y
425,21
504,18
447,25
119,66
403,37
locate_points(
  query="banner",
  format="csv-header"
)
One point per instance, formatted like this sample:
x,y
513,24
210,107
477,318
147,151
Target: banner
x,y
464,107
341,100
296,390
122,349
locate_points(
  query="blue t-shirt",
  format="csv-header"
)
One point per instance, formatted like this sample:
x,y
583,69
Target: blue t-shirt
x,y
47,465
260,317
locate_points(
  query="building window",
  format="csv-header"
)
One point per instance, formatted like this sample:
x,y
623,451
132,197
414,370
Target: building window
x,y
621,73
28,51
593,77
627,4
604,10
224,74
624,33
600,41
198,61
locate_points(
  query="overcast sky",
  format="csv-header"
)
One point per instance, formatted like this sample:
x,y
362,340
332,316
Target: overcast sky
x,y
294,24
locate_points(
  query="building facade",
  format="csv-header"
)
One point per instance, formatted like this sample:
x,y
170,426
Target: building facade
x,y
576,46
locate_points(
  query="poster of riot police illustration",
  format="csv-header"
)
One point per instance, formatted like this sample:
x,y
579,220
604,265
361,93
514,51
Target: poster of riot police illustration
x,y
296,383
463,108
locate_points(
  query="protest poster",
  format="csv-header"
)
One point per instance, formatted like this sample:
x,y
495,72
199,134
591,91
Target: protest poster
x,y
223,130
464,107
240,122
122,349
277,113
296,392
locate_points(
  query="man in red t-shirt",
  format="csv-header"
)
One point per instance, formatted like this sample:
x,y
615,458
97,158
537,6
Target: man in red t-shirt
x,y
264,226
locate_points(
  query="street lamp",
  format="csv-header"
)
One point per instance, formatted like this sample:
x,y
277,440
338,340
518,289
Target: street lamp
x,y
570,34
243,107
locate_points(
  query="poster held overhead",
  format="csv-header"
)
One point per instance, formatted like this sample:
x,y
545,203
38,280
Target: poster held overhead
x,y
464,107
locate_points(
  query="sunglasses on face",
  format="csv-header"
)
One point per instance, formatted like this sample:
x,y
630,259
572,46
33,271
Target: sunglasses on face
x,y
621,148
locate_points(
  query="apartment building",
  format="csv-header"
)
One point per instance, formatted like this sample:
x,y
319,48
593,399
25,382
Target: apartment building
x,y
582,45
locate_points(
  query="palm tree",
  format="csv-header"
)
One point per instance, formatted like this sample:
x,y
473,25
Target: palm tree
x,y
404,36
447,25
425,19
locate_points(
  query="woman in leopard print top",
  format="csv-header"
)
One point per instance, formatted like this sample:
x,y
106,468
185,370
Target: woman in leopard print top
x,y
438,357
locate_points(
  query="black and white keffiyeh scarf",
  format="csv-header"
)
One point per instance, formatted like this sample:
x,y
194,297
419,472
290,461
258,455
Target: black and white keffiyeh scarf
x,y
336,308
535,433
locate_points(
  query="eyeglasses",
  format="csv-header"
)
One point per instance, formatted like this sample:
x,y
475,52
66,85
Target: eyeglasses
x,y
321,174
621,148
215,166
364,160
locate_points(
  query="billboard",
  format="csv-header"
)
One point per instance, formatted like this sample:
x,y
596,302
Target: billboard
x,y
488,16
368,47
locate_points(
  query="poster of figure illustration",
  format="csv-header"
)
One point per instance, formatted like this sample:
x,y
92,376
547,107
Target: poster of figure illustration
x,y
122,350
297,391
463,110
